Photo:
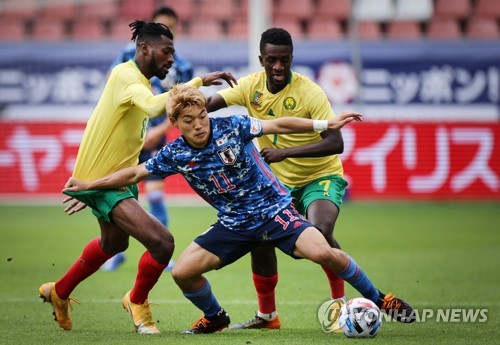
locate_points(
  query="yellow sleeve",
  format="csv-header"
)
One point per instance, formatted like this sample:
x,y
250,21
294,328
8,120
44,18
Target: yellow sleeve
x,y
153,105
197,82
238,94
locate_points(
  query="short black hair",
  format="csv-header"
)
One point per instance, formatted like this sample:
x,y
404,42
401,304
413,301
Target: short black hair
x,y
149,31
165,11
277,36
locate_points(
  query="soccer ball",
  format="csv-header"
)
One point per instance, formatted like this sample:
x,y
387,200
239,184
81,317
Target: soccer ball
x,y
360,318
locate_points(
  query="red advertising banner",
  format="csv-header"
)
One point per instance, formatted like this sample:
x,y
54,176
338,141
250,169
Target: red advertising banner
x,y
381,160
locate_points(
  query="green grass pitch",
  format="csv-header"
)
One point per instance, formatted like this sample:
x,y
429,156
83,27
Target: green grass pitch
x,y
435,255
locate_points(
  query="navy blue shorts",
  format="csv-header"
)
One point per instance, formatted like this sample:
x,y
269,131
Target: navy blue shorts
x,y
229,245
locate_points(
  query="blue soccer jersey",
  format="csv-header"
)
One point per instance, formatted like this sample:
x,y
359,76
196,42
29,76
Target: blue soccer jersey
x,y
228,173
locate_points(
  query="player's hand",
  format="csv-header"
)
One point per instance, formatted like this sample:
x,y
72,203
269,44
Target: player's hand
x,y
74,185
215,78
272,155
343,119
74,207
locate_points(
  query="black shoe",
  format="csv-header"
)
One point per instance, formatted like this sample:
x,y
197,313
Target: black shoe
x,y
396,308
215,324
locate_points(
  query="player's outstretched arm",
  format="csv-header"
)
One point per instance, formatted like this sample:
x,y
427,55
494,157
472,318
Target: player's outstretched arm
x,y
298,125
118,179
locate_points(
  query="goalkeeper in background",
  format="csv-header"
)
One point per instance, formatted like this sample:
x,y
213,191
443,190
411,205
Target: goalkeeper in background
x,y
181,72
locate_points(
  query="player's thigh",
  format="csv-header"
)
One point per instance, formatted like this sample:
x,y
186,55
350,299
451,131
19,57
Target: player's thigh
x,y
113,238
135,221
194,261
312,245
323,213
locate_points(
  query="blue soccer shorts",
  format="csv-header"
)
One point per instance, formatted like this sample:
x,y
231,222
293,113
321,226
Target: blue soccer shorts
x,y
229,245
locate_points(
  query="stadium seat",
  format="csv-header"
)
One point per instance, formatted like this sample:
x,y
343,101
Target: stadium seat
x,y
443,29
333,9
292,26
487,8
185,9
48,30
105,10
59,10
404,30
222,10
133,9
205,30
88,30
26,9
238,29
294,10
374,10
456,9
368,31
242,11
420,10
120,31
482,28
324,30
12,29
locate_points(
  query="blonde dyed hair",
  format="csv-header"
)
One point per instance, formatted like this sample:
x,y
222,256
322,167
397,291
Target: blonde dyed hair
x,y
181,97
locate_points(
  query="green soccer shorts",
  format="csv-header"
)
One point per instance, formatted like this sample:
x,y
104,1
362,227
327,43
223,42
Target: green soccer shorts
x,y
325,188
102,201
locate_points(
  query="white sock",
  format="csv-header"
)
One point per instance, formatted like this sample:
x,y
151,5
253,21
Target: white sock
x,y
268,317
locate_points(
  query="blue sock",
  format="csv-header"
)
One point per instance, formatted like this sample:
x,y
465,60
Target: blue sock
x,y
204,299
157,207
355,276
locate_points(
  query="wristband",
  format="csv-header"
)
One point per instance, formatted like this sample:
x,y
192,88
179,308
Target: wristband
x,y
320,125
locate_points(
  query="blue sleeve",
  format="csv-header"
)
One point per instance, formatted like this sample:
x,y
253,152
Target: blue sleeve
x,y
250,127
161,165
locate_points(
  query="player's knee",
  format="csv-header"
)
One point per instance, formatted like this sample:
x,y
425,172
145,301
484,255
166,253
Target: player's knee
x,y
180,275
325,255
113,247
162,248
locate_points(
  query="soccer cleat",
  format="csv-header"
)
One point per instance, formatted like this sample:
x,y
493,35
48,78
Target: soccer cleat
x,y
220,321
258,323
113,263
335,313
141,316
396,308
61,307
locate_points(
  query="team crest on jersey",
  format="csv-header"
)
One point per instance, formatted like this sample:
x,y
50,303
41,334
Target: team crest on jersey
x,y
227,156
289,103
257,98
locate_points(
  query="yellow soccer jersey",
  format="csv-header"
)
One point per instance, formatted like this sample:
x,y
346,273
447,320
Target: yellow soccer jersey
x,y
115,132
300,98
